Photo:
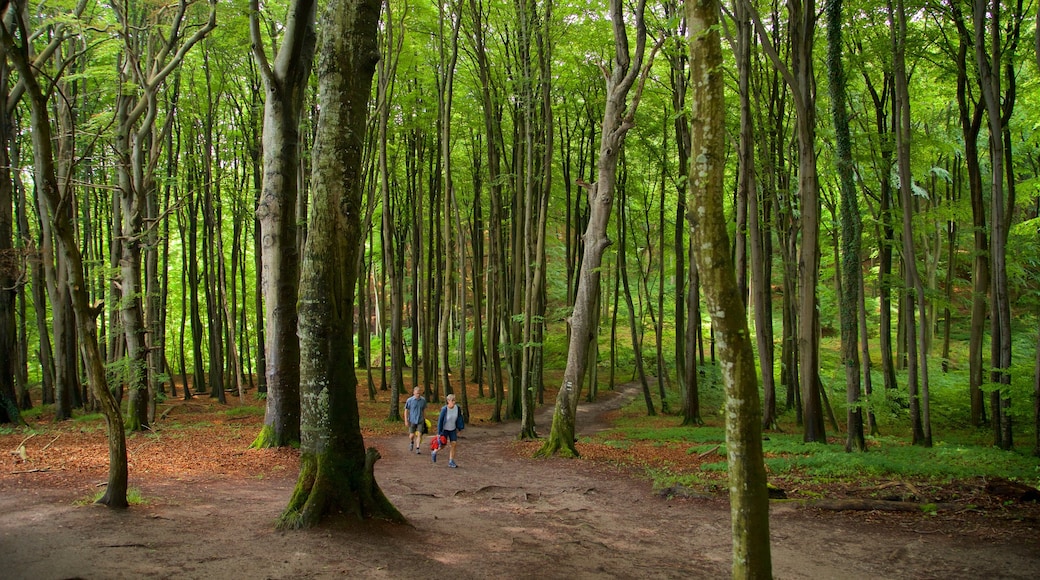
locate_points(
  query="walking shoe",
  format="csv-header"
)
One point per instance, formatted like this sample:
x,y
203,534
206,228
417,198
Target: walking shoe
x,y
452,463
418,451
433,456
411,445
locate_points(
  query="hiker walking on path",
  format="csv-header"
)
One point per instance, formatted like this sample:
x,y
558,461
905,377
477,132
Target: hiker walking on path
x,y
415,420
449,423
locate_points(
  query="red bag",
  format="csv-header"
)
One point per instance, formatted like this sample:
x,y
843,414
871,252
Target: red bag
x,y
438,442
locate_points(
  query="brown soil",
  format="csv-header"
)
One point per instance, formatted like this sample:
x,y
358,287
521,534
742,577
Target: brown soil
x,y
210,506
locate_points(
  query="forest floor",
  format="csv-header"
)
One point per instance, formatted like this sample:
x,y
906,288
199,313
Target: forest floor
x,y
209,506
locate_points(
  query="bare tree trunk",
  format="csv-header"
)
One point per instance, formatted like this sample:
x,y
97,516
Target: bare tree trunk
x,y
393,219
618,118
989,57
914,290
633,325
801,81
760,284
64,234
749,498
285,83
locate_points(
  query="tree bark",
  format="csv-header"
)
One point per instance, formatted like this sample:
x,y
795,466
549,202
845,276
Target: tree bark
x,y
285,85
749,498
617,120
336,473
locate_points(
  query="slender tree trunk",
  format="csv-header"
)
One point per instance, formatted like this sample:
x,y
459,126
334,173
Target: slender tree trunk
x,y
392,214
617,120
749,498
989,57
692,401
917,370
851,229
747,183
633,325
9,290
64,235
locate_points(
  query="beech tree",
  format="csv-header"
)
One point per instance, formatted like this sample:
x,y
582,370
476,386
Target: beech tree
x,y
851,274
618,119
15,34
148,63
336,472
285,84
748,496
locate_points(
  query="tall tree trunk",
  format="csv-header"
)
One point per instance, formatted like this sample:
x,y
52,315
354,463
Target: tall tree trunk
x,y
691,407
749,498
617,120
990,59
64,235
285,84
496,250
392,214
851,229
148,63
9,274
801,81
757,226
633,325
336,473
917,370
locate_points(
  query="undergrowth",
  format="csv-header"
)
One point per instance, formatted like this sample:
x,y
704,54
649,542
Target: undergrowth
x,y
958,453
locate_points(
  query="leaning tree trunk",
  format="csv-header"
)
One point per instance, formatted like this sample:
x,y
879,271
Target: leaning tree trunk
x,y
336,473
618,118
65,236
749,498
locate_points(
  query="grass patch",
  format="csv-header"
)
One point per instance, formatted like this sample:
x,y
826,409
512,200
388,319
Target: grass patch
x,y
88,418
245,411
133,497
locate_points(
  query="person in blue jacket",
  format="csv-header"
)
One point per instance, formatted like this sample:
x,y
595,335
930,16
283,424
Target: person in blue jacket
x,y
449,423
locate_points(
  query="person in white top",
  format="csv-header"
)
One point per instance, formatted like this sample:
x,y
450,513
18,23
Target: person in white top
x,y
449,423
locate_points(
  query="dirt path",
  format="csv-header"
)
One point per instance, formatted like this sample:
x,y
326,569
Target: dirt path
x,y
496,516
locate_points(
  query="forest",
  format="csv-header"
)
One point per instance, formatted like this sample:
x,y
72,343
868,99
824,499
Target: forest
x,y
228,198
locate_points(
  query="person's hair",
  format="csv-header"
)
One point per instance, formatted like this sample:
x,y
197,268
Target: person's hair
x,y
451,397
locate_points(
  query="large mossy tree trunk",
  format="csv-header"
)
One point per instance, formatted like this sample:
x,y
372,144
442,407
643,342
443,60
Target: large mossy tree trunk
x,y
285,84
618,118
748,496
336,473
